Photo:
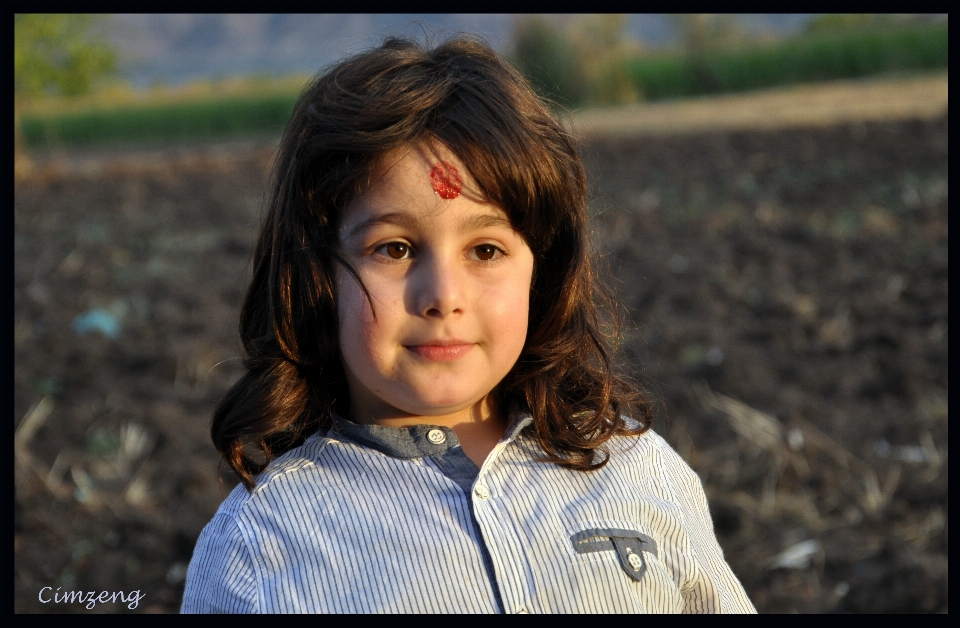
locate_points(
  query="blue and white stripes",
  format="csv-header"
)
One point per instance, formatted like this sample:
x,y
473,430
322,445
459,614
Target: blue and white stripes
x,y
340,526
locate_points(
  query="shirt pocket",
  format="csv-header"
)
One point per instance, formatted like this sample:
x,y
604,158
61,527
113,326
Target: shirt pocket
x,y
631,548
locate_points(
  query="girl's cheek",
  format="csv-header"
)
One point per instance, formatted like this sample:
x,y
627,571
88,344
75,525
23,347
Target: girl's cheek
x,y
507,303
358,328
507,319
509,300
365,334
352,303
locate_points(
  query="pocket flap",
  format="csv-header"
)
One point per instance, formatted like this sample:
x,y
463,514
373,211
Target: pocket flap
x,y
629,546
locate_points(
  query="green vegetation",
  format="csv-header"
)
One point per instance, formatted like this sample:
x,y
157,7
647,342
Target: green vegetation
x,y
548,62
55,54
582,63
231,116
818,56
566,63
60,60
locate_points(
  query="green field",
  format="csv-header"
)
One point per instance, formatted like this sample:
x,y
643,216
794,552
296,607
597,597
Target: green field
x,y
807,59
235,116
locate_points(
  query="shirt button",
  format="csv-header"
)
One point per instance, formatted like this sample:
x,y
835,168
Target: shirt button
x,y
481,491
436,436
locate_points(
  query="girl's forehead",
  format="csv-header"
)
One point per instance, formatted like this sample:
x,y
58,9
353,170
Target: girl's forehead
x,y
421,195
425,179
419,163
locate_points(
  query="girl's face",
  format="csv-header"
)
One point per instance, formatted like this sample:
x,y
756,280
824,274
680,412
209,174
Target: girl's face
x,y
450,281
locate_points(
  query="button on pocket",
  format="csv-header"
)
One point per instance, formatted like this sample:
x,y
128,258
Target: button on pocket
x,y
628,545
629,551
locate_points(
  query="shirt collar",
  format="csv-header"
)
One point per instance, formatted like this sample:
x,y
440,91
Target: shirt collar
x,y
413,441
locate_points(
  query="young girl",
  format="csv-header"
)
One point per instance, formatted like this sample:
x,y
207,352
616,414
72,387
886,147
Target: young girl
x,y
429,420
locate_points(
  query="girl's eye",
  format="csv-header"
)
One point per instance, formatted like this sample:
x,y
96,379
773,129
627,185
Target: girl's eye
x,y
486,252
396,250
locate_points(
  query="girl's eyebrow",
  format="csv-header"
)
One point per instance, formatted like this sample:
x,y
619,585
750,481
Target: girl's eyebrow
x,y
482,221
400,219
409,221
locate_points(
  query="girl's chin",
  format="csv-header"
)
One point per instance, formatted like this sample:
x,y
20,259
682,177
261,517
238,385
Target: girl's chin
x,y
434,405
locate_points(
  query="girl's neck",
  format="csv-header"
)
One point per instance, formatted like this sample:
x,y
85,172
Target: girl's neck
x,y
478,428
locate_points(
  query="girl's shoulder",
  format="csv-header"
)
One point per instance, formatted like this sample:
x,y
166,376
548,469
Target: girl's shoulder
x,y
288,472
652,453
645,444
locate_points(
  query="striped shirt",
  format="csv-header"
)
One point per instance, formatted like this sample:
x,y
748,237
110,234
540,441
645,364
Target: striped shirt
x,y
372,519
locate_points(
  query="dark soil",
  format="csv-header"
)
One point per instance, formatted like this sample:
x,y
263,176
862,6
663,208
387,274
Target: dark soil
x,y
785,300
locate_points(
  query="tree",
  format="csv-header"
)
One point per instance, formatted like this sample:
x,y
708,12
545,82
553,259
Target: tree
x,y
576,62
604,50
58,54
542,54
54,54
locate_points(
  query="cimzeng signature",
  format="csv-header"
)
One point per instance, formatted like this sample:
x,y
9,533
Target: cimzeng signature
x,y
89,598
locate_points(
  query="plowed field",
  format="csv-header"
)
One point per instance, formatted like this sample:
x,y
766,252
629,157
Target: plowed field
x,y
785,292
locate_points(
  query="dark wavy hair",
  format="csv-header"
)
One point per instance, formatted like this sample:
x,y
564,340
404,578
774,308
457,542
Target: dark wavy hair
x,y
400,93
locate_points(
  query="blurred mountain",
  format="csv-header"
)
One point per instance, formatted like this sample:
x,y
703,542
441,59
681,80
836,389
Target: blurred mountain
x,y
176,48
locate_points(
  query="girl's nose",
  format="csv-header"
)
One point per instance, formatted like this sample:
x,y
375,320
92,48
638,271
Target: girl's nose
x,y
438,287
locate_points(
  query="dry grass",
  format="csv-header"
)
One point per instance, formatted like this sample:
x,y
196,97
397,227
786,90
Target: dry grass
x,y
823,104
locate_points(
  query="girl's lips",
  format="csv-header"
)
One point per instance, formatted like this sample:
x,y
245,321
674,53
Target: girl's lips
x,y
441,353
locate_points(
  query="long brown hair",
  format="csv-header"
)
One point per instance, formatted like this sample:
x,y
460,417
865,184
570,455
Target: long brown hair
x,y
461,94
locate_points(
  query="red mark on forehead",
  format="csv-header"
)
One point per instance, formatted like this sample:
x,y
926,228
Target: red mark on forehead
x,y
446,180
